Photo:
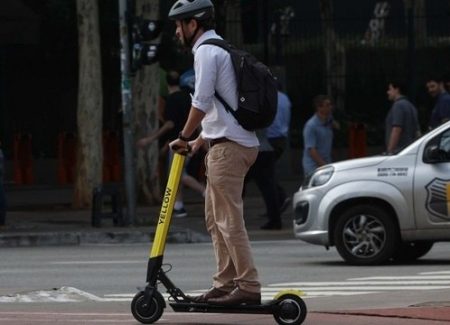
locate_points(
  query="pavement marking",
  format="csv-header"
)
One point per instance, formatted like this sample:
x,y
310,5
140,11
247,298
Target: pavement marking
x,y
365,283
114,295
370,287
63,294
265,296
96,262
435,272
404,277
352,286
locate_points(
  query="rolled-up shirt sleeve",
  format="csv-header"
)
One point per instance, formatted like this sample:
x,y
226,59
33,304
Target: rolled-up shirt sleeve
x,y
443,107
398,114
309,136
205,67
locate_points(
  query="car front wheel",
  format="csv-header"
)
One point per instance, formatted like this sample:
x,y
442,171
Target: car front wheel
x,y
366,235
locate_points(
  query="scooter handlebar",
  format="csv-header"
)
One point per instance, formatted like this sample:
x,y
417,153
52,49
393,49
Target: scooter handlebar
x,y
186,151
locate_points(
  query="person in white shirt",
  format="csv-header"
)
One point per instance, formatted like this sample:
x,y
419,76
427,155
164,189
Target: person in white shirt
x,y
232,150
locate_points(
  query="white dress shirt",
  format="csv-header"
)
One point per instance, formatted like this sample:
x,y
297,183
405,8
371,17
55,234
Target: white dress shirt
x,y
214,72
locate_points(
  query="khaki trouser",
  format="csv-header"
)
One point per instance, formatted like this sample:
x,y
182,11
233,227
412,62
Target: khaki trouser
x,y
226,166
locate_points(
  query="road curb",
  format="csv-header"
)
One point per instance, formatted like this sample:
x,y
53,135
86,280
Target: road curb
x,y
71,238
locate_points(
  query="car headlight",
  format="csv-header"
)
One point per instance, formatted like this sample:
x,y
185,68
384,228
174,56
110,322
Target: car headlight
x,y
319,177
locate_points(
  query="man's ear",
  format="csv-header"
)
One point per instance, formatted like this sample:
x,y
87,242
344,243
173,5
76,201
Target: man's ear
x,y
193,24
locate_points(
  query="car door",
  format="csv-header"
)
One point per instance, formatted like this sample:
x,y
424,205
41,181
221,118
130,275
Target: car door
x,y
432,183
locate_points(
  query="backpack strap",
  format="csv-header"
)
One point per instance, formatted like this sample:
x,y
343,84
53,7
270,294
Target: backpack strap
x,y
227,47
218,42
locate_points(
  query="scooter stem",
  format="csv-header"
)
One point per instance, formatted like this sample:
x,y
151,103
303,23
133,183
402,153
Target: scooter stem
x,y
167,205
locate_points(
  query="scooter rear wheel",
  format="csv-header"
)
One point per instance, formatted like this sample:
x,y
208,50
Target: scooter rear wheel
x,y
291,310
147,313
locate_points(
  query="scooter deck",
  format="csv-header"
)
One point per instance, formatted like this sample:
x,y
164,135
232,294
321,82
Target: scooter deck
x,y
264,308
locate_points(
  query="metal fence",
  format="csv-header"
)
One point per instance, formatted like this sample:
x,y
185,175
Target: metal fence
x,y
287,34
375,49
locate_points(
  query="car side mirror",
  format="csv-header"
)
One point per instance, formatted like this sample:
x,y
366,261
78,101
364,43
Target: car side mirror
x,y
433,154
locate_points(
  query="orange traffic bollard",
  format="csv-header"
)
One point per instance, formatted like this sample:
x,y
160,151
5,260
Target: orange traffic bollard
x,y
22,159
357,146
66,157
111,157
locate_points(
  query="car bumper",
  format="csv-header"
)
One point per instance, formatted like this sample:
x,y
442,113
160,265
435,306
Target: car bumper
x,y
317,237
308,224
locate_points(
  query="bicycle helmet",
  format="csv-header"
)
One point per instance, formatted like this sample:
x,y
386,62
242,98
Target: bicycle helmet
x,y
197,9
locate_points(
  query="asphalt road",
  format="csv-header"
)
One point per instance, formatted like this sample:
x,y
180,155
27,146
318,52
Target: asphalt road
x,y
98,282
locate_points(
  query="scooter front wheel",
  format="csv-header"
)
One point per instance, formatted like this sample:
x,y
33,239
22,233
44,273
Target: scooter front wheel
x,y
147,312
291,310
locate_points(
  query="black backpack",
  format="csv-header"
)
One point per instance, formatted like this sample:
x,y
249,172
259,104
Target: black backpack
x,y
257,88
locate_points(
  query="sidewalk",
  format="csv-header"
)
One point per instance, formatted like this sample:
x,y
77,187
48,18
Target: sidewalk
x,y
40,216
43,216
433,313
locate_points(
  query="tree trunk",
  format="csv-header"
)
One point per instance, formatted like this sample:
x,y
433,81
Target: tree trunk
x,y
420,19
145,102
420,26
334,57
233,27
228,21
90,101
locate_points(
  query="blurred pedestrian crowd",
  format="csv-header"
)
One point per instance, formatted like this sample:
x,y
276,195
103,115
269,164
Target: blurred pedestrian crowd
x,y
401,127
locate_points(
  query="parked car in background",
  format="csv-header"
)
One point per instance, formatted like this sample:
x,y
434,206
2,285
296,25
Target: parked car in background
x,y
380,208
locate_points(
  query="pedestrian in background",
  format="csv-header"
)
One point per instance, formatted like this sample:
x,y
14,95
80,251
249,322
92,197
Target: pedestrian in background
x,y
263,173
446,80
278,136
278,132
318,135
232,150
402,123
441,110
178,104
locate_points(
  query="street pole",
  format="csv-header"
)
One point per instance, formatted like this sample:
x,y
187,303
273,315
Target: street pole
x,y
127,110
266,31
411,52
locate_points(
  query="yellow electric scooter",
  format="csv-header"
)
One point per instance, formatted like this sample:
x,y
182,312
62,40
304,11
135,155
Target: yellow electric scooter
x,y
287,307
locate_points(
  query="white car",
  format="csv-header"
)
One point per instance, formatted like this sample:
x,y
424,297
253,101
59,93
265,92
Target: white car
x,y
380,208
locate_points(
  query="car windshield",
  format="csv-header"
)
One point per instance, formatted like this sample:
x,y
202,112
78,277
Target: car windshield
x,y
412,143
444,143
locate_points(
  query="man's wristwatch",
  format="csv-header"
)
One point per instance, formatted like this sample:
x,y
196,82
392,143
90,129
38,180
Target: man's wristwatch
x,y
181,137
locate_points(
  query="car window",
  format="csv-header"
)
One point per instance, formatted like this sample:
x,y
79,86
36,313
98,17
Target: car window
x,y
444,143
437,149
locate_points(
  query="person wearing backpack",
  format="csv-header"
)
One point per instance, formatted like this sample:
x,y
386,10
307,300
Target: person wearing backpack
x,y
232,150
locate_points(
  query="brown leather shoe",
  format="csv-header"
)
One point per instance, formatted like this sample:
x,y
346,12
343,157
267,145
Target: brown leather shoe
x,y
211,293
237,297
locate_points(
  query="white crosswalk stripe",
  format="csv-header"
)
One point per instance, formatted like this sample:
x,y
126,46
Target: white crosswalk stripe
x,y
352,286
435,272
420,277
